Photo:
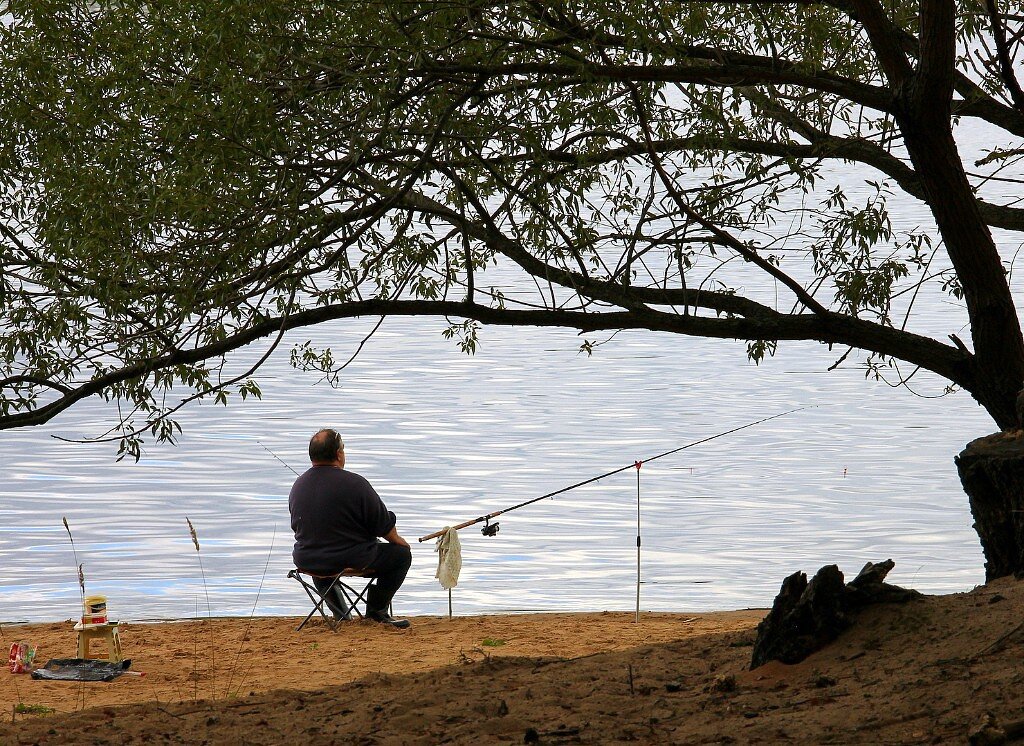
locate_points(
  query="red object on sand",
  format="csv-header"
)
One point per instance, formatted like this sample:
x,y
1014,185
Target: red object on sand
x,y
18,661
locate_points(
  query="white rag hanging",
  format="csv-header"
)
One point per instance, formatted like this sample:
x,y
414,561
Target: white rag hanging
x,y
449,558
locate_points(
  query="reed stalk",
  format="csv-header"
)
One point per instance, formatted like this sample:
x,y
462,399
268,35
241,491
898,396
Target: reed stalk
x,y
209,611
81,572
80,700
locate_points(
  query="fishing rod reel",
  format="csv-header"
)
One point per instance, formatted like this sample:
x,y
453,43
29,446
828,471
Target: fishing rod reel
x,y
489,529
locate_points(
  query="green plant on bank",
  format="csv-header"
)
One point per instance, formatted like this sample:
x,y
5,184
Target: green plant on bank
x,y
490,642
180,181
23,708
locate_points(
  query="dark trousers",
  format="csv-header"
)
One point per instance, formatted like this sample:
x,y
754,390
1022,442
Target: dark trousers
x,y
389,568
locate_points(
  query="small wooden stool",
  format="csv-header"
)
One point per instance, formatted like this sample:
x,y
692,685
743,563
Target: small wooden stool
x,y
108,632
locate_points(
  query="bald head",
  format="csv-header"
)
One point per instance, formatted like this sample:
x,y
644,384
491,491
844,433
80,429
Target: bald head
x,y
326,447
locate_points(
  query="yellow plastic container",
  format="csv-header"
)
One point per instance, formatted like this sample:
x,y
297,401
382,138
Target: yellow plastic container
x,y
94,610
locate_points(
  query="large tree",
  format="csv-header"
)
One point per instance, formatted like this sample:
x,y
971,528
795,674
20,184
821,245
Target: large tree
x,y
181,179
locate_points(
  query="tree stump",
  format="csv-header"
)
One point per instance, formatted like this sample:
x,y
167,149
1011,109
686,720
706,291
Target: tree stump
x,y
807,616
992,473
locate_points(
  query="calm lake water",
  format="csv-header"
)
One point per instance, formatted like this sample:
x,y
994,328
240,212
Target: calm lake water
x,y
863,473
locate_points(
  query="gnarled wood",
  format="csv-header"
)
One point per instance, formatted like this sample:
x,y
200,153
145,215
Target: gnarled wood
x,y
806,616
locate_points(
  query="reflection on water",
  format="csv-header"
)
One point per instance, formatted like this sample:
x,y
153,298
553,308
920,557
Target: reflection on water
x,y
865,474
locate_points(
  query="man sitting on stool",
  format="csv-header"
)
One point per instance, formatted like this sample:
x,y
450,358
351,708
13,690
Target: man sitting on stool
x,y
337,517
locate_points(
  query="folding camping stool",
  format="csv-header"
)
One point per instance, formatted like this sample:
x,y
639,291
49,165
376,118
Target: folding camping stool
x,y
349,593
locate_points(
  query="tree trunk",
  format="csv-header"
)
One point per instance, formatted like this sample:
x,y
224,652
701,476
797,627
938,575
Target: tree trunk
x,y
997,368
992,472
923,109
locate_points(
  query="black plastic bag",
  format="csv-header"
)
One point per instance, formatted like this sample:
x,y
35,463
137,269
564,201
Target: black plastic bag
x,y
80,669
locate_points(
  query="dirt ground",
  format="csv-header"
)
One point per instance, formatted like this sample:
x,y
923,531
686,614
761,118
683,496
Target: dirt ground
x,y
941,669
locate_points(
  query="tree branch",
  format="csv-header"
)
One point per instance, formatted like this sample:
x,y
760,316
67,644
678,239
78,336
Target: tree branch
x,y
748,253
891,58
13,381
830,328
1009,78
821,145
727,75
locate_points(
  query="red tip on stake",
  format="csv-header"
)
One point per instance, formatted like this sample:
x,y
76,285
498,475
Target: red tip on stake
x,y
638,464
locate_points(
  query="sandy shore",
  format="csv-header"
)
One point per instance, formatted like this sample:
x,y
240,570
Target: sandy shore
x,y
940,669
226,658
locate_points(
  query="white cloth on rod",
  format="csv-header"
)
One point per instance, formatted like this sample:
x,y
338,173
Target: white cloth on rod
x,y
449,558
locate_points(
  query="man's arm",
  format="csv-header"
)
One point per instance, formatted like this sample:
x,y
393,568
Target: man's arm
x,y
393,537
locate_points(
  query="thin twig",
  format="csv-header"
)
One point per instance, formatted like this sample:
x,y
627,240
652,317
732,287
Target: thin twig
x,y
999,643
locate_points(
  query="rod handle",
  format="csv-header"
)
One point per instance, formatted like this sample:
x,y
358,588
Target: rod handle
x,y
462,525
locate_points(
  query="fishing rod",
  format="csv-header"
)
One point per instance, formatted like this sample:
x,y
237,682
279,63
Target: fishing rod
x,y
278,458
490,529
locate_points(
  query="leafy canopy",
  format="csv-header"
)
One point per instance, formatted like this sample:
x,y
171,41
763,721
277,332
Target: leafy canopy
x,y
178,180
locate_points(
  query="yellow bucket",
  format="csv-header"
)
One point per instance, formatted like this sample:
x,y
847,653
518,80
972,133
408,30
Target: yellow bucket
x,y
94,610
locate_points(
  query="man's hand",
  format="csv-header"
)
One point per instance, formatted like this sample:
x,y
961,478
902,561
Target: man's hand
x,y
393,537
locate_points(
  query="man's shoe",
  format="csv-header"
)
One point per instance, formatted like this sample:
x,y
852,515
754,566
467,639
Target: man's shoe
x,y
384,618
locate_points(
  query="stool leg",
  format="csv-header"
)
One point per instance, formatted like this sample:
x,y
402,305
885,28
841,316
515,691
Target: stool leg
x,y
115,648
83,645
